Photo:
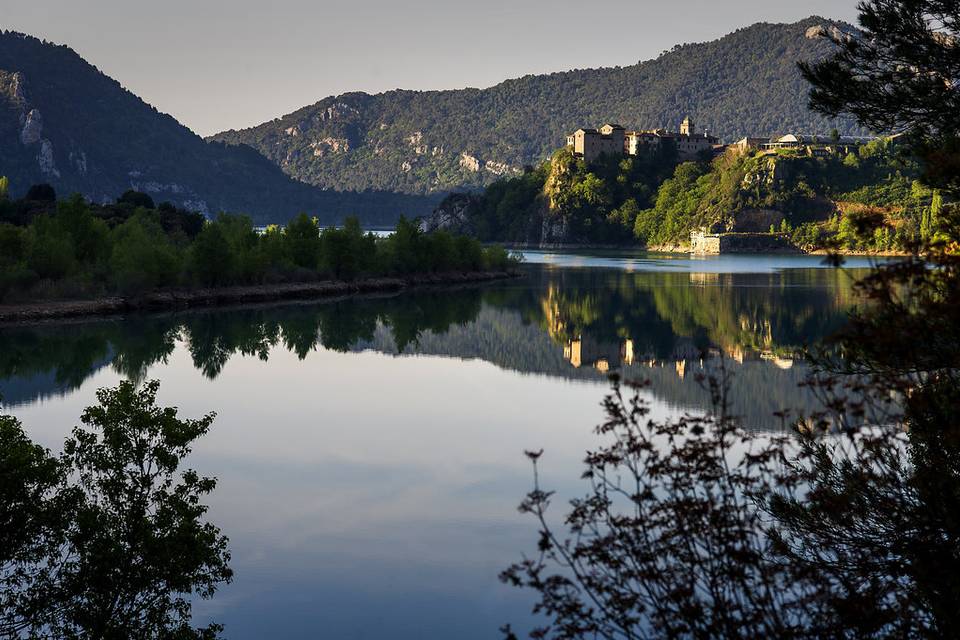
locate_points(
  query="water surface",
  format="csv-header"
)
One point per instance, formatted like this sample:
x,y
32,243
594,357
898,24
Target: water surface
x,y
369,451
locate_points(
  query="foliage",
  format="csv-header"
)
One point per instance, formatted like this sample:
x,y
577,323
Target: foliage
x,y
652,200
75,248
846,527
31,526
866,77
597,203
108,541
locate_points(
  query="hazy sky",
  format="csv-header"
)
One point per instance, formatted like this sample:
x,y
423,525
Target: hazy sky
x,y
220,64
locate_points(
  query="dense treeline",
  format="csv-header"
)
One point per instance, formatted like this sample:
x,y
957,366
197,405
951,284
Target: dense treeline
x,y
857,198
73,248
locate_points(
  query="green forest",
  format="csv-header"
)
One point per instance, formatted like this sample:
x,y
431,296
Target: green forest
x,y
72,248
857,197
422,142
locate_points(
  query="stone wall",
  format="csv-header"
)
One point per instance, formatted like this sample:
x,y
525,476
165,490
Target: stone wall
x,y
704,243
718,243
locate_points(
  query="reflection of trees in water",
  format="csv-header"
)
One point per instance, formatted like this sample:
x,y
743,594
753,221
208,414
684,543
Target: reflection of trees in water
x,y
570,323
663,315
60,357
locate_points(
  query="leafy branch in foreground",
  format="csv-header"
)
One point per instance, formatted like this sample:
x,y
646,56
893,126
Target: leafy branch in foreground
x,y
108,541
696,528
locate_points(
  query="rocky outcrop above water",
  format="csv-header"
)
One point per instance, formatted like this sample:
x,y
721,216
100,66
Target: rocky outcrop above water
x,y
454,214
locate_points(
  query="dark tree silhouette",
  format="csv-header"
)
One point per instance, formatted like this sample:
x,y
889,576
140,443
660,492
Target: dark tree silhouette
x,y
108,541
846,526
899,74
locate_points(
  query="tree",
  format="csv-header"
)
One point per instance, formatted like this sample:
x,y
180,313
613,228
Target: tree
x,y
110,540
211,261
347,252
302,239
4,187
695,528
32,527
142,256
41,193
136,199
899,74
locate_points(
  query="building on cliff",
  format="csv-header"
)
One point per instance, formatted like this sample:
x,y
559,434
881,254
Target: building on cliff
x,y
812,145
613,139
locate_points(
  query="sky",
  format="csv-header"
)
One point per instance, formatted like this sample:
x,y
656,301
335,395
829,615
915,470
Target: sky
x,y
224,64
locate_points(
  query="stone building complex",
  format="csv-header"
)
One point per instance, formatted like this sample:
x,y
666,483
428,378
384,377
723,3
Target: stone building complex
x,y
612,139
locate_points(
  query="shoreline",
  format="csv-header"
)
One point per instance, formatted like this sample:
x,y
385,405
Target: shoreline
x,y
685,250
222,296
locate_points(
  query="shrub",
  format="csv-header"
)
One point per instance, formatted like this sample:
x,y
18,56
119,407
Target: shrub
x,y
142,258
211,262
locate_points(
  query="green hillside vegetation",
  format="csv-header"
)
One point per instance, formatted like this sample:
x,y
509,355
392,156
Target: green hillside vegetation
x,y
858,198
64,122
746,83
862,198
71,249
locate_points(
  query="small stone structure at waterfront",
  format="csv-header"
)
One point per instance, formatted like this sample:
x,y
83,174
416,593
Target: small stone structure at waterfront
x,y
705,244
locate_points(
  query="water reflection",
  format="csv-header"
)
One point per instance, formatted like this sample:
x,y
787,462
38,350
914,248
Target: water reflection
x,y
369,450
570,323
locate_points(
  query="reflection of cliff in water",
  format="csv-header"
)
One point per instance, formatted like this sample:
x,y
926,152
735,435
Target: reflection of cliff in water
x,y
576,324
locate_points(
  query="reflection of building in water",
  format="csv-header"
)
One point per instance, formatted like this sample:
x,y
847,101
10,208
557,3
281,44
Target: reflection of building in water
x,y
572,353
681,368
778,361
603,356
741,355
704,278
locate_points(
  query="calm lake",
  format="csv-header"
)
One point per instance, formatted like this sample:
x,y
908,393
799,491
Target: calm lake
x,y
370,451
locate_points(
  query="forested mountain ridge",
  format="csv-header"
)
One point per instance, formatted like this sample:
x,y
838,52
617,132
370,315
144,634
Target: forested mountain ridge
x,y
746,83
64,122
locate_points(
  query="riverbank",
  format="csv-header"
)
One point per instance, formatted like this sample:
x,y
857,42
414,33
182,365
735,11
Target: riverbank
x,y
684,249
208,297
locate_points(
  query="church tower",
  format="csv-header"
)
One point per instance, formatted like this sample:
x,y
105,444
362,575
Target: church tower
x,y
687,127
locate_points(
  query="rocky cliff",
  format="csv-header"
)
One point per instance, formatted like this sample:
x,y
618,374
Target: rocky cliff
x,y
64,122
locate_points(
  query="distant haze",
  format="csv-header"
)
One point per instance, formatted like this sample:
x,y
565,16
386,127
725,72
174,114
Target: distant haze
x,y
221,64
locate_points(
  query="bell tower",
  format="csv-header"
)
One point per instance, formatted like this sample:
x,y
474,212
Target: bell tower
x,y
687,127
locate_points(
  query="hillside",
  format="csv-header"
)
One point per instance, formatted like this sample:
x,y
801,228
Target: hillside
x,y
859,197
64,122
420,142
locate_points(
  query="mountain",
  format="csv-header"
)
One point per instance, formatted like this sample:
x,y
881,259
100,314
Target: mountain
x,y
423,142
64,122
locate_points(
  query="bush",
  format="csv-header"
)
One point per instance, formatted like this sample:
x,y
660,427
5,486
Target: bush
x,y
41,193
136,199
50,252
211,261
302,239
142,258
